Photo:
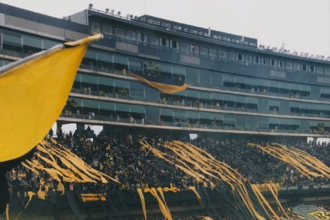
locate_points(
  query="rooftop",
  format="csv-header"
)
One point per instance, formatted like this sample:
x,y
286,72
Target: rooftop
x,y
218,36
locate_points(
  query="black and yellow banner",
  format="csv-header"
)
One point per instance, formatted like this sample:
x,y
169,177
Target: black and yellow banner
x,y
163,84
247,199
73,168
303,162
93,197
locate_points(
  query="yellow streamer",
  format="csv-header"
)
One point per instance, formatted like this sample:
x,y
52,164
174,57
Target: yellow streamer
x,y
162,207
30,194
143,203
199,198
76,169
207,169
304,163
7,212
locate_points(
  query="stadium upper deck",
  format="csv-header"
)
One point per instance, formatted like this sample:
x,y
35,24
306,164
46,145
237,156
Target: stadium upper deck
x,y
234,86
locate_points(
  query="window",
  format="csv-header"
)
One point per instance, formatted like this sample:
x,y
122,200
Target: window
x,y
319,69
327,71
240,82
107,30
325,93
194,48
231,55
284,88
204,51
296,66
280,64
274,106
229,81
304,67
274,87
305,90
165,70
273,62
137,93
248,59
265,61
49,44
163,42
240,57
222,54
31,44
153,40
120,65
288,65
135,65
90,59
180,72
119,32
95,27
312,69
131,35
174,44
184,48
213,53
143,37
104,61
256,60
166,115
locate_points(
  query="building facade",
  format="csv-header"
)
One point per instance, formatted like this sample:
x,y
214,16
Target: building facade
x,y
234,86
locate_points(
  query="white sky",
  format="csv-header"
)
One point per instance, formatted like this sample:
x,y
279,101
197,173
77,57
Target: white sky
x,y
303,25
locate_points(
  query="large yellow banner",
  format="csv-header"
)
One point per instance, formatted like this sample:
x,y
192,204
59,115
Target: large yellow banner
x,y
33,92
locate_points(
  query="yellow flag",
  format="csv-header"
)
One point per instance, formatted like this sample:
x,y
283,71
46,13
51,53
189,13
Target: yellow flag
x,y
33,92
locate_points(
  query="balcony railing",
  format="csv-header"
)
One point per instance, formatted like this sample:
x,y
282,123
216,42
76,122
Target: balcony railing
x,y
186,104
182,124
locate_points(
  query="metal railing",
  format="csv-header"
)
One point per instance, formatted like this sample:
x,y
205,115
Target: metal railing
x,y
186,104
175,123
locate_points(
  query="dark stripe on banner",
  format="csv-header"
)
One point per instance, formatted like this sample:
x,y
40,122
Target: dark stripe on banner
x,y
122,201
206,195
72,204
205,204
227,196
241,205
113,207
256,202
103,206
53,200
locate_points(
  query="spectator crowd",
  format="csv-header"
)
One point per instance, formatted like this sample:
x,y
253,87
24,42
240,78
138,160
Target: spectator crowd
x,y
125,159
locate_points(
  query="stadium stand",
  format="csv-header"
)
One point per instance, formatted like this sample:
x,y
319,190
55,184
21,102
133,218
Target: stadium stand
x,y
123,158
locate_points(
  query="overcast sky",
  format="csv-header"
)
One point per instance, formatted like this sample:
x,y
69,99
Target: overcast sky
x,y
303,25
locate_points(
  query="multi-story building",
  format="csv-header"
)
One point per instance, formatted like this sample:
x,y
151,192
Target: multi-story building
x,y
234,85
